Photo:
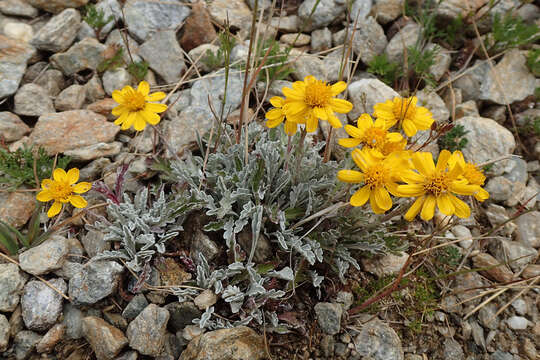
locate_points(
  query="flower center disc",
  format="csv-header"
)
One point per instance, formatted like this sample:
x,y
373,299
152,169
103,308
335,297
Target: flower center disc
x,y
318,94
61,191
134,100
374,137
437,184
376,176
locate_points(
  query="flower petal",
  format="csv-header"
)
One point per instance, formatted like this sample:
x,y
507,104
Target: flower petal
x,y
46,183
409,127
140,122
411,190
44,196
119,110
340,105
444,156
445,205
361,196
320,113
338,87
290,127
130,119
157,96
157,108
150,117
78,201
81,187
312,123
54,209
144,88
117,96
349,142
350,176
73,176
273,114
292,94
382,198
60,175
423,162
428,209
481,195
462,210
277,101
414,209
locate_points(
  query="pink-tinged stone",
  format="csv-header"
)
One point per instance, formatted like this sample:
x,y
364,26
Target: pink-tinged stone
x,y
73,129
16,208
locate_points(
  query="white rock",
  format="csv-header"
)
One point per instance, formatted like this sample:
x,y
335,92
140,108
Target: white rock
x,y
18,31
406,37
45,257
517,322
520,306
373,90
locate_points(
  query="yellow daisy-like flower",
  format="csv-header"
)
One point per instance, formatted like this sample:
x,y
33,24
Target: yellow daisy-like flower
x,y
404,112
435,186
135,108
276,116
472,174
372,134
378,176
61,188
312,99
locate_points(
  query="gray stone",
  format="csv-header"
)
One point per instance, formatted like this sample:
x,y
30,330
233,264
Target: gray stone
x,y
470,82
405,38
71,98
128,355
4,333
73,322
201,52
41,305
18,31
86,54
263,249
514,253
115,80
487,318
24,343
106,340
468,108
56,6
146,333
205,299
289,23
452,350
119,40
329,317
95,151
434,103
13,58
134,307
516,170
93,170
373,91
463,234
94,89
499,188
46,257
144,17
12,281
487,140
388,264
237,343
513,75
33,100
321,40
59,32
360,9
235,11
164,55
517,322
528,229
111,9
93,243
72,130
369,39
52,81
493,268
520,306
182,314
452,9
326,12
12,127
378,341
18,8
297,40
442,61
96,281
202,244
388,10
306,64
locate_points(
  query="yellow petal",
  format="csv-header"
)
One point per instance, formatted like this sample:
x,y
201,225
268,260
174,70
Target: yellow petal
x,y
445,205
274,122
150,117
78,201
157,96
44,196
349,143
414,209
423,162
118,96
119,110
338,87
320,113
334,122
290,127
277,101
73,176
81,187
143,88
350,176
411,190
409,127
462,210
428,209
423,118
60,175
360,197
444,156
463,189
273,114
382,198
312,123
46,183
394,137
481,195
292,94
122,118
354,131
157,108
341,106
54,209
139,123
130,119
294,107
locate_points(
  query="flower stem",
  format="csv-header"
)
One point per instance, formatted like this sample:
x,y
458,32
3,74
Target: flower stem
x,y
327,147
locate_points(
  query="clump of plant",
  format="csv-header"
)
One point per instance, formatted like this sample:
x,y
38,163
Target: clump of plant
x,y
226,44
22,166
385,69
454,139
276,61
96,18
533,61
510,31
13,240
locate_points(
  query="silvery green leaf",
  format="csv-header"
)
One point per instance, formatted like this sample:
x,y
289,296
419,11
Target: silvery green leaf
x,y
284,274
316,279
205,317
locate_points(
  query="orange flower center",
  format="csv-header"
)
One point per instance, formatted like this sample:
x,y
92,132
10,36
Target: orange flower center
x,y
318,94
374,137
473,175
438,183
404,109
376,176
389,147
61,190
135,101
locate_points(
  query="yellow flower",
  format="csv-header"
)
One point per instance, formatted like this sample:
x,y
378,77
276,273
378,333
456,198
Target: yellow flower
x,y
312,99
373,135
61,188
135,108
404,112
471,174
276,116
378,176
435,186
